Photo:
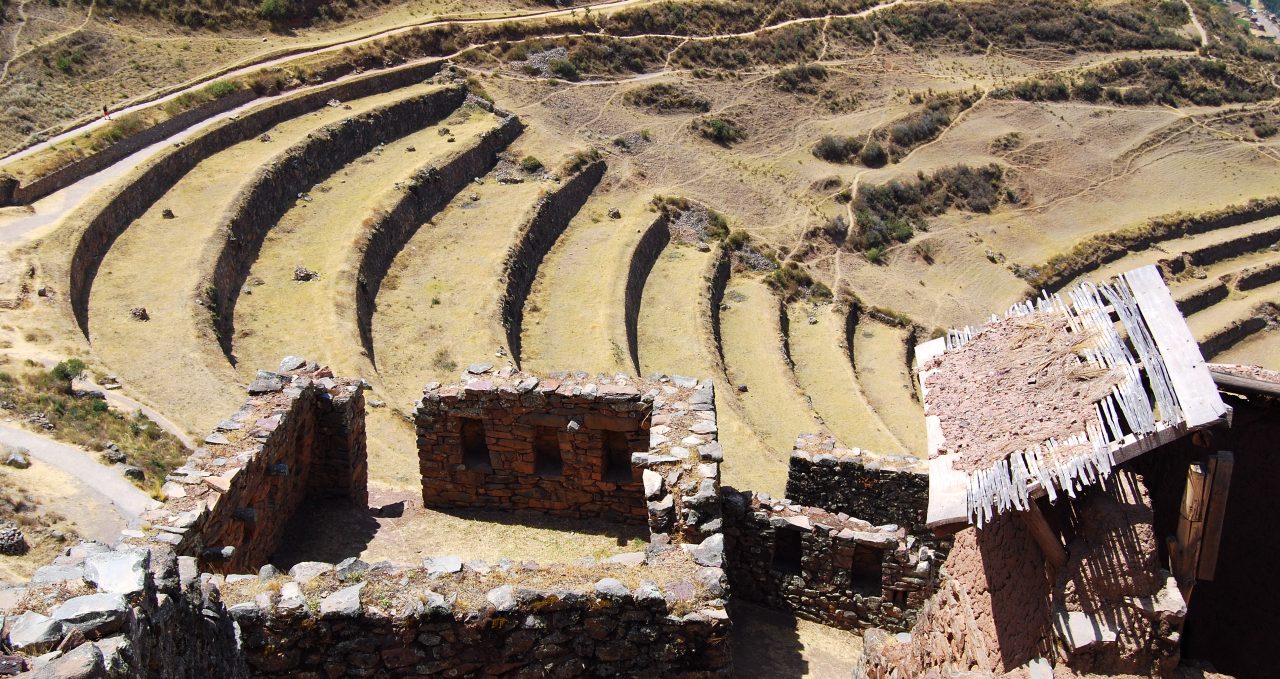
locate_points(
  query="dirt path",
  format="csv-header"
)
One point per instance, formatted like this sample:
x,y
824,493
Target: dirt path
x,y
826,375
574,318
1195,20
22,13
110,500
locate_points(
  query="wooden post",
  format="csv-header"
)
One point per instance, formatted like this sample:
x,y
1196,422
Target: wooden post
x,y
1049,543
1185,554
1219,484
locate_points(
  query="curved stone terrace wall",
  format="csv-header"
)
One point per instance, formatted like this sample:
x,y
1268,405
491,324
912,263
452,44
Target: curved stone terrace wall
x,y
274,189
103,225
875,487
643,258
550,218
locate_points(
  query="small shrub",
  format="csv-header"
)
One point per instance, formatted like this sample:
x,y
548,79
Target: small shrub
x,y
723,131
1264,130
666,98
873,155
564,69
530,164
578,161
836,148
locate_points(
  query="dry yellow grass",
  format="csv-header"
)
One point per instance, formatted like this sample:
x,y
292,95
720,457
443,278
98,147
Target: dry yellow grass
x,y
316,318
155,264
1262,349
826,375
574,317
773,405
438,308
879,357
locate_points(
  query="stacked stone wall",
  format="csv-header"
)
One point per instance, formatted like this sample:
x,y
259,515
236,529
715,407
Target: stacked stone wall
x,y
104,224
875,487
274,189
1231,335
1203,299
73,172
550,218
838,570
512,414
643,258
427,193
300,436
717,283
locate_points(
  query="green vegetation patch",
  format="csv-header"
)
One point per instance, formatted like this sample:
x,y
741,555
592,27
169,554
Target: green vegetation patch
x,y
892,212
1162,80
666,98
720,129
892,143
85,419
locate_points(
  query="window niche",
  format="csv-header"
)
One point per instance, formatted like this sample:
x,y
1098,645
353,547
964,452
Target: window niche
x,y
617,457
867,573
547,460
787,549
475,447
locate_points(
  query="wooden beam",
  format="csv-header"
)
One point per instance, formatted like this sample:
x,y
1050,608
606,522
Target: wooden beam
x,y
1220,466
1184,556
1188,372
1049,543
1247,385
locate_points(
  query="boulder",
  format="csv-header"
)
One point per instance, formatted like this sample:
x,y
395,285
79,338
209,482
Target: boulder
x,y
96,615
306,571
344,603
118,572
18,458
33,633
83,662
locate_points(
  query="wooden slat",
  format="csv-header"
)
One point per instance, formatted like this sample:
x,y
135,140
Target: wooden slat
x,y
948,496
1197,394
1248,385
1220,467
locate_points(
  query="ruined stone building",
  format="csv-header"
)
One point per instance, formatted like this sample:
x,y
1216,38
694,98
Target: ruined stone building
x,y
1076,522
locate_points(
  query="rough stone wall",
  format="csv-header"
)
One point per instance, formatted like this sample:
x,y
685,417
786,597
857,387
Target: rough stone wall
x,y
549,220
74,172
1231,335
874,487
428,192
1109,610
274,189
1258,277
643,258
717,283
302,433
103,225
838,570
1203,299
514,410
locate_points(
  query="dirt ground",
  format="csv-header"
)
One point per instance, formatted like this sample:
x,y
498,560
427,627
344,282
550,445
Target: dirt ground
x,y
880,360
769,643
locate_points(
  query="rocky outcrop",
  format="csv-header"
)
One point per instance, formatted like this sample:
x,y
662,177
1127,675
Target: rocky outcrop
x,y
274,189
643,259
427,192
550,218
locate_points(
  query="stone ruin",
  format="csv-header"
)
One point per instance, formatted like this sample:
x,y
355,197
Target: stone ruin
x,y
1062,588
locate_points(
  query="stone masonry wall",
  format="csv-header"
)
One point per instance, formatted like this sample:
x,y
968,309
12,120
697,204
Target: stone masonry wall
x,y
514,410
829,568
274,189
428,192
643,258
549,220
300,434
102,225
874,487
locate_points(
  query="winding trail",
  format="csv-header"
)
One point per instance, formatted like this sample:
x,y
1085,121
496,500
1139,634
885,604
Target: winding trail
x,y
1204,35
101,483
22,12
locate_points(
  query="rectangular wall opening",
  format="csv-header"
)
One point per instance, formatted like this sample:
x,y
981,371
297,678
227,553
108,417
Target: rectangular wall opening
x,y
866,574
617,458
475,449
787,548
546,452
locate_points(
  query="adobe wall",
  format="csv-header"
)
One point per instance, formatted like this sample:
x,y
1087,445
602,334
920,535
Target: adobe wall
x,y
426,193
106,224
643,259
839,571
274,189
513,409
875,487
550,218
300,435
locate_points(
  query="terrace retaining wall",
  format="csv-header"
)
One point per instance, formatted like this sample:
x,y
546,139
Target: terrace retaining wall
x,y
275,187
104,225
643,258
427,192
882,489
550,218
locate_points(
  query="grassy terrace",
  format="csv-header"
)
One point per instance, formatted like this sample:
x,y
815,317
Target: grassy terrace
x,y
574,316
826,375
155,265
673,340
880,358
773,405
